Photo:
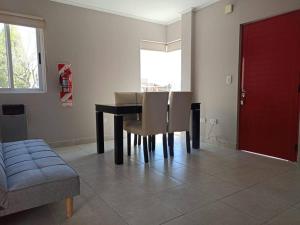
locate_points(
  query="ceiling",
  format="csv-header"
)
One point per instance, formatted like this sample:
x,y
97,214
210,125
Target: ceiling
x,y
157,11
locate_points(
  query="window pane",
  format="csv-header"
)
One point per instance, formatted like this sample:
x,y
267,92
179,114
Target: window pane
x,y
153,71
173,63
160,71
24,56
3,59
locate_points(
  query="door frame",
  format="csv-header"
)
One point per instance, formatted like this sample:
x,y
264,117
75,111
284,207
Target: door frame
x,y
240,65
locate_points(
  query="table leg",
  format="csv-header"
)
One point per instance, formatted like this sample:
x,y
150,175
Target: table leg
x,y
128,143
100,132
149,143
171,143
135,140
196,128
118,130
153,143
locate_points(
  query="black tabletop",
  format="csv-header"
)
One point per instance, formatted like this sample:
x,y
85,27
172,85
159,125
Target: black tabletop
x,y
129,108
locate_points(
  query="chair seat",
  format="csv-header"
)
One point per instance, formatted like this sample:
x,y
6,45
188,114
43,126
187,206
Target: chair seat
x,y
134,126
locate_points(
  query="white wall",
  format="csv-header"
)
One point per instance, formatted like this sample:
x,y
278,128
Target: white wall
x,y
104,52
216,54
174,31
187,32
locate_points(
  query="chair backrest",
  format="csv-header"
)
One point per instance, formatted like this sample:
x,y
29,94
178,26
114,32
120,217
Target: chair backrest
x,y
155,109
179,111
139,97
123,98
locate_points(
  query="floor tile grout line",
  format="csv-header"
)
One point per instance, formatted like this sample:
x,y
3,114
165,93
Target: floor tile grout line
x,y
106,203
243,212
177,217
252,216
115,210
293,206
282,173
222,198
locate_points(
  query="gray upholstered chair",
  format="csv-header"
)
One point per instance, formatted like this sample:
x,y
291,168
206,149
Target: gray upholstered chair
x,y
179,117
154,119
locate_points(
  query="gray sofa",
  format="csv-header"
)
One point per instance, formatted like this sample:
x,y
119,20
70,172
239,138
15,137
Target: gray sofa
x,y
31,175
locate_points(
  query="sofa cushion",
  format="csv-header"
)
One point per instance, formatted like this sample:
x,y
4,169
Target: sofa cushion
x,y
32,162
36,175
3,182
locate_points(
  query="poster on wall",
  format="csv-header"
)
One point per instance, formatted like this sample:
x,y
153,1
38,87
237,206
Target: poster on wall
x,y
65,80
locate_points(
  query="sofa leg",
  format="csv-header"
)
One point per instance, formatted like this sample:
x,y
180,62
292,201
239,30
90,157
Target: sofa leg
x,y
69,207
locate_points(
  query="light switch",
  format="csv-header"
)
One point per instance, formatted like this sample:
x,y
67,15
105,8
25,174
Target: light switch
x,y
228,9
228,79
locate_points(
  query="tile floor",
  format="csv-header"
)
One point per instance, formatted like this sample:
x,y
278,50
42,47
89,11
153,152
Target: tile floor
x,y
212,186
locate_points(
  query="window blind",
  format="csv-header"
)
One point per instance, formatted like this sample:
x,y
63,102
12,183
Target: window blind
x,y
20,19
174,46
153,46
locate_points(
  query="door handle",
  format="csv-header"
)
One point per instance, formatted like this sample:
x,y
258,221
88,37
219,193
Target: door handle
x,y
243,97
243,92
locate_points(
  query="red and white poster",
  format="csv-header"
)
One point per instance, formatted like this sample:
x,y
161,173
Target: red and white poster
x,y
65,80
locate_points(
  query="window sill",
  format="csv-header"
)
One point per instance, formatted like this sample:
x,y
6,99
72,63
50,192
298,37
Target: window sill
x,y
22,91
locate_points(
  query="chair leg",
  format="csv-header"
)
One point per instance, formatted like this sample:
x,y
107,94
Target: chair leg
x,y
188,142
139,139
145,149
135,140
165,146
153,142
171,143
149,143
128,143
69,207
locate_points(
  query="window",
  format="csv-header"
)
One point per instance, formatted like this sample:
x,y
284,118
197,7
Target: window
x,y
160,70
21,59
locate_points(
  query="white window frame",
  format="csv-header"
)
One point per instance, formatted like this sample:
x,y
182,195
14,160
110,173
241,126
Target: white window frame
x,y
41,65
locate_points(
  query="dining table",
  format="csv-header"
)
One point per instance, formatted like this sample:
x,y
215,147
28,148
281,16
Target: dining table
x,y
119,110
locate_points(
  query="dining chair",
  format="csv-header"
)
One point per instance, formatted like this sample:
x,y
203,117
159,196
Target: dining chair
x,y
139,100
154,120
151,139
123,98
179,117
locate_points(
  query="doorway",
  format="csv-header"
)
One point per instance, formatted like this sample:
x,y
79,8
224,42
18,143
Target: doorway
x,y
269,86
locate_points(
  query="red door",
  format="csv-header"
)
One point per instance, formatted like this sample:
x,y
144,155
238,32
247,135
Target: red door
x,y
270,61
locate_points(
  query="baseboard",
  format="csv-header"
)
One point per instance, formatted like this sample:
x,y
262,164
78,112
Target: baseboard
x,y
218,143
72,142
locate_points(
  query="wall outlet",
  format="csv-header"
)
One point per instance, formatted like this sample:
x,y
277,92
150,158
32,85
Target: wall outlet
x,y
213,121
202,120
228,79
